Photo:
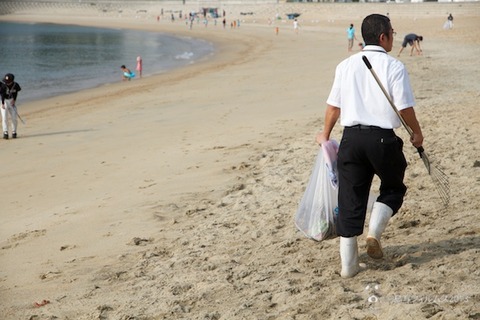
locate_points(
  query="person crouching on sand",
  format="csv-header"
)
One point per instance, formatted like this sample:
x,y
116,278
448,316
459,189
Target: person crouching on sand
x,y
127,74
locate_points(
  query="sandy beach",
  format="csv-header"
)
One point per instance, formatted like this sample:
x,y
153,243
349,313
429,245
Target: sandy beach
x,y
173,196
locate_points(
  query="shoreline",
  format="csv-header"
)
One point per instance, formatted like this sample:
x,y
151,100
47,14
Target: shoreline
x,y
104,71
178,201
113,24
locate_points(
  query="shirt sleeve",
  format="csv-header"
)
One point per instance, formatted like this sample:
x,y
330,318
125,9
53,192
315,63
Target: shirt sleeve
x,y
402,94
334,98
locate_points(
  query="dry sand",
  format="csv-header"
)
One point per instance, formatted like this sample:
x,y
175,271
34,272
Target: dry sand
x,y
177,201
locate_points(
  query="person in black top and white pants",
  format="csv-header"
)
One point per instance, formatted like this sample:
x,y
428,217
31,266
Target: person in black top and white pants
x,y
9,91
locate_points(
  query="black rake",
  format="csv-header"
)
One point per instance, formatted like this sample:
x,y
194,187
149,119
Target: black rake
x,y
439,178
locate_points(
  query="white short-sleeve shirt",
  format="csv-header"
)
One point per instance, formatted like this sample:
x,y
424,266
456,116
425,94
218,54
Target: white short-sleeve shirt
x,y
361,99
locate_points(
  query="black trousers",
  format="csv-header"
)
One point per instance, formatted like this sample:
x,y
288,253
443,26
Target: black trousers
x,y
363,153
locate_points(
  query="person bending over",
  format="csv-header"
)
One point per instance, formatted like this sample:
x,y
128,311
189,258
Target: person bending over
x,y
414,41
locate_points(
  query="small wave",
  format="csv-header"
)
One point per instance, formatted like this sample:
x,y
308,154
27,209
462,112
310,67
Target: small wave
x,y
184,56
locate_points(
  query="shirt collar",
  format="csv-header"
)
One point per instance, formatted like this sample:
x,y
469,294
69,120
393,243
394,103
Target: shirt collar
x,y
374,48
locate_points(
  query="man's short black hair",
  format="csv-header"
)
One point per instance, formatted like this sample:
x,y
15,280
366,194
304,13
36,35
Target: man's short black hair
x,y
373,26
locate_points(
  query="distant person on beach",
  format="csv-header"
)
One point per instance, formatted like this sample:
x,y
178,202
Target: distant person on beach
x,y
139,67
191,19
369,145
9,91
127,74
414,41
449,23
295,26
351,37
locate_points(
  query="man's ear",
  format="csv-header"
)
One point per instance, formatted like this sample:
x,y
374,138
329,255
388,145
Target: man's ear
x,y
382,37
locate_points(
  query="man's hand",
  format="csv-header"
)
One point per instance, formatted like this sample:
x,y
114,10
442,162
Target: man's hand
x,y
417,140
322,137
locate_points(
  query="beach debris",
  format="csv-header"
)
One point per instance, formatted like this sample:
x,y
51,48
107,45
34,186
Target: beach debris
x,y
476,164
50,275
67,246
41,303
140,241
191,210
409,224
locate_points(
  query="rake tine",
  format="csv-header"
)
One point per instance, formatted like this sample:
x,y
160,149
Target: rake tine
x,y
425,159
442,184
440,179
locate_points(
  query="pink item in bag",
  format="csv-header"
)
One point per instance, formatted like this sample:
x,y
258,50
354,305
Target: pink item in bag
x,y
330,150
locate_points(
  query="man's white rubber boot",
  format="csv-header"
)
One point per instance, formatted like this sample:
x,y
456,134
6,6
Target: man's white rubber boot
x,y
349,257
381,213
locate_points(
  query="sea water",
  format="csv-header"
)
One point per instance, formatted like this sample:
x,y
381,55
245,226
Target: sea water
x,y
49,59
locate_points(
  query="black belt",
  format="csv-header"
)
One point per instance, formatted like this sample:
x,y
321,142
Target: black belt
x,y
364,127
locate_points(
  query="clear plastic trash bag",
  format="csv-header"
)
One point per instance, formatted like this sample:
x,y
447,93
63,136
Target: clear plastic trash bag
x,y
318,209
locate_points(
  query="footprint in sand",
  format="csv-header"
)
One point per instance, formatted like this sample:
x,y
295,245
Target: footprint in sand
x,y
22,237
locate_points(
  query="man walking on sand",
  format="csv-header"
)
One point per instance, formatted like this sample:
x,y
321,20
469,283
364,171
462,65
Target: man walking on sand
x,y
369,145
